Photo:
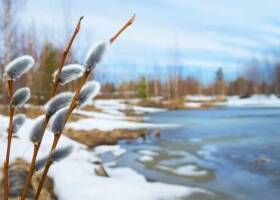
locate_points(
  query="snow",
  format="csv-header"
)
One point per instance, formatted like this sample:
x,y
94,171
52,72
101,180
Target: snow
x,y
74,177
253,101
113,105
145,158
101,115
112,117
123,184
105,125
193,104
147,155
200,98
188,170
114,149
195,101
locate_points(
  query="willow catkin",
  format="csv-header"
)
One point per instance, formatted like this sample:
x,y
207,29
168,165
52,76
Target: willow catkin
x,y
95,55
20,97
88,92
69,73
61,153
56,156
19,66
37,128
57,102
58,120
18,121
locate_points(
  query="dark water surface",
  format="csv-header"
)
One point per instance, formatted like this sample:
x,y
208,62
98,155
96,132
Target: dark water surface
x,y
236,152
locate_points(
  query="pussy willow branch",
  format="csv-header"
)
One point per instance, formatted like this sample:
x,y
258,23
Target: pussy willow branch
x,y
9,143
125,26
33,161
64,56
73,105
47,117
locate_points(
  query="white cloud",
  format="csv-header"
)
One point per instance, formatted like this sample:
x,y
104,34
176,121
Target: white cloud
x,y
161,25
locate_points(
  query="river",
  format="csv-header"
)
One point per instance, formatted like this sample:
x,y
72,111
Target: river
x,y
232,152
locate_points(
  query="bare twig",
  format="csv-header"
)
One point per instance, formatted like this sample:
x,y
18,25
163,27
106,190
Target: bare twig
x,y
64,56
9,143
33,161
47,167
125,26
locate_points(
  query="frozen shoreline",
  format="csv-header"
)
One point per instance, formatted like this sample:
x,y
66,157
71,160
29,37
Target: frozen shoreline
x,y
259,101
84,183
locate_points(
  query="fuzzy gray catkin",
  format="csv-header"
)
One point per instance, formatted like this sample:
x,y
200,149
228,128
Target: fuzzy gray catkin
x,y
40,164
61,153
69,73
18,121
95,55
56,156
58,120
20,97
88,92
37,128
19,66
57,102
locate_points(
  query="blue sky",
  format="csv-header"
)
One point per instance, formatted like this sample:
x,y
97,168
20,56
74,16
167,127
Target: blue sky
x,y
198,35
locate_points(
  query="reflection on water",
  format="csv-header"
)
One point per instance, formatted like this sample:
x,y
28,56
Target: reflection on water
x,y
232,152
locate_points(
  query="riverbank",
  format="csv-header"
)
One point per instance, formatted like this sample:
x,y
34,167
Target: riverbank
x,y
81,166
191,102
103,125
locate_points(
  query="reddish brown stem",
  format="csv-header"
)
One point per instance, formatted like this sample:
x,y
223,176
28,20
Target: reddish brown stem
x,y
9,142
44,175
73,105
33,161
31,171
64,55
47,167
125,26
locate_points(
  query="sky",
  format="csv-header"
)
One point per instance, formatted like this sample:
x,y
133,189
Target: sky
x,y
199,36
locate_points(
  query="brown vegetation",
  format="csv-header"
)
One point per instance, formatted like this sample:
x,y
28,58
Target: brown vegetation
x,y
20,169
96,137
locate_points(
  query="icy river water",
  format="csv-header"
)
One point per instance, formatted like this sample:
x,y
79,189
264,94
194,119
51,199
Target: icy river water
x,y
234,153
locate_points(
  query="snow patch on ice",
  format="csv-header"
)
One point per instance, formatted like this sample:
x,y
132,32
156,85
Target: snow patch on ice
x,y
148,153
188,170
116,150
146,158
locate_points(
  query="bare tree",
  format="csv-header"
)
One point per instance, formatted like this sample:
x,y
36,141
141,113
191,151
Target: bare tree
x,y
10,10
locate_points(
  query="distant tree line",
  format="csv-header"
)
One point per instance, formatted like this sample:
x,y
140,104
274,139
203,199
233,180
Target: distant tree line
x,y
255,80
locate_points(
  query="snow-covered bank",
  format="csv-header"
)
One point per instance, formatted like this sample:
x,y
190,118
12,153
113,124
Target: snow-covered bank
x,y
105,125
253,101
234,101
116,106
113,117
75,178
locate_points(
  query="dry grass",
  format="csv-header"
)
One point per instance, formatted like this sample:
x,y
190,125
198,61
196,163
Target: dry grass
x,y
96,137
173,104
22,167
